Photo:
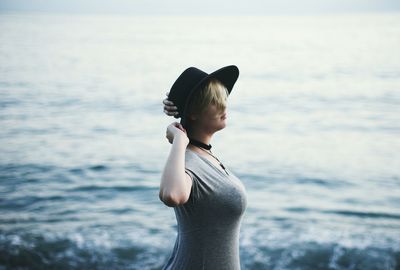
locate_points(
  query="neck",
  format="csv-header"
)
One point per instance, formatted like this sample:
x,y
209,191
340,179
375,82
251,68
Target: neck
x,y
203,137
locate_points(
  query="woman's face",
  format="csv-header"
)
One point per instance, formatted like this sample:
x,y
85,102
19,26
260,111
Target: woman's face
x,y
211,119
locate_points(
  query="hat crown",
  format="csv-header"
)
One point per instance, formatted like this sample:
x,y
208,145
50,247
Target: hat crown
x,y
182,87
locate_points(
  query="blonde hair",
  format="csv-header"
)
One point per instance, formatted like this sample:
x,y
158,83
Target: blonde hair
x,y
213,92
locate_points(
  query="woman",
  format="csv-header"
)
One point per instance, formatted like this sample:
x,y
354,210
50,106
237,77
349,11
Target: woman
x,y
208,199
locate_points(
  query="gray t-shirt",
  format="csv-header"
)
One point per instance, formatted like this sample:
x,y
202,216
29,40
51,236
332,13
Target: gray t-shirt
x,y
209,222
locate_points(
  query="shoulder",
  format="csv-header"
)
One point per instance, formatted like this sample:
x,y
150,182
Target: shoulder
x,y
192,161
189,155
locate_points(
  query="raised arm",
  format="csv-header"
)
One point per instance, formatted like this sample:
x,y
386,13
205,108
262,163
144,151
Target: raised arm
x,y
175,184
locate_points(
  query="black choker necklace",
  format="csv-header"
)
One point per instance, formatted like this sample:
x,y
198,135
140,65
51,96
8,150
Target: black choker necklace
x,y
200,144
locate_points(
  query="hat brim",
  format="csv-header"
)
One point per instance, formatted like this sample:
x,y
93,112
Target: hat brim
x,y
227,76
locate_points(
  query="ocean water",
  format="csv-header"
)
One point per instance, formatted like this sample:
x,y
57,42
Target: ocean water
x,y
313,133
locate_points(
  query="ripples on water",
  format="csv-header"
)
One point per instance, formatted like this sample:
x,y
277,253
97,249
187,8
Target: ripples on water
x,y
313,128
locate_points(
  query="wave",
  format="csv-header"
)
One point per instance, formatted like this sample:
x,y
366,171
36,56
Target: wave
x,y
313,255
345,213
363,214
24,201
30,251
24,169
110,188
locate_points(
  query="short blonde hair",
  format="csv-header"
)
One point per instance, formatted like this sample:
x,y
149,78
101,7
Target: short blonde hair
x,y
213,92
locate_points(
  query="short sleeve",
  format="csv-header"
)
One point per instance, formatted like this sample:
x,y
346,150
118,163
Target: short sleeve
x,y
194,192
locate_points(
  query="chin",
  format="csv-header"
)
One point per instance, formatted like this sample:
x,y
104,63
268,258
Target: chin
x,y
222,126
214,127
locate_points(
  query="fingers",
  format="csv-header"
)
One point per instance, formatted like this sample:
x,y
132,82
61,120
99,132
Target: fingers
x,y
178,125
169,113
170,108
168,102
174,124
171,131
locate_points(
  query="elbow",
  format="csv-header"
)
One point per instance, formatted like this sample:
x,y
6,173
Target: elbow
x,y
173,200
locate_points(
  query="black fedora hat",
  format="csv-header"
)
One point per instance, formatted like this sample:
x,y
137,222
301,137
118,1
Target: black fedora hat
x,y
192,79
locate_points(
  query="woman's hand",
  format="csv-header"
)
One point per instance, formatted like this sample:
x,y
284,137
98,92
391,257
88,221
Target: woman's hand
x,y
169,108
176,130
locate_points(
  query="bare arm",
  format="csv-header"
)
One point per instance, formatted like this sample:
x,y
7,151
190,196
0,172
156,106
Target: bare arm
x,y
175,184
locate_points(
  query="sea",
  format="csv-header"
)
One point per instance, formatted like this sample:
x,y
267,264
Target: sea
x,y
313,132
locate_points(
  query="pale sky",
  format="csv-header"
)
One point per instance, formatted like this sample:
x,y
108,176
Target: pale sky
x,y
205,7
